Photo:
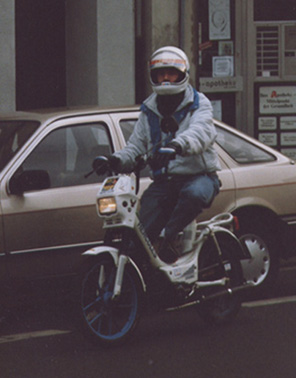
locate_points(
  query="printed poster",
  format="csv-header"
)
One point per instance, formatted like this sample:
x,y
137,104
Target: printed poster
x,y
219,19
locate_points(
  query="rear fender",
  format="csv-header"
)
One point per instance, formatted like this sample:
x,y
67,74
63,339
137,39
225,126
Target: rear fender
x,y
226,234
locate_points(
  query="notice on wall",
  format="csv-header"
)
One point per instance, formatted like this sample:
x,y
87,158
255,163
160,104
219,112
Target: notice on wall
x,y
288,123
217,109
267,123
223,66
290,152
225,48
219,19
270,139
288,139
277,99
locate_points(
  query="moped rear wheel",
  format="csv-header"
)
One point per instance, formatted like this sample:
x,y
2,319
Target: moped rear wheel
x,y
218,306
109,321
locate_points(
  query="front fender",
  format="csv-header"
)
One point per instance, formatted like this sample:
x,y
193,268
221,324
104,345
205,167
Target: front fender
x,y
114,253
96,251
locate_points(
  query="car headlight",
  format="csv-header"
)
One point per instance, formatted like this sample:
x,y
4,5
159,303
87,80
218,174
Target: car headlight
x,y
107,205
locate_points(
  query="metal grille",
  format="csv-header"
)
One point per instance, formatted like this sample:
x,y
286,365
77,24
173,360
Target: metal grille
x,y
267,51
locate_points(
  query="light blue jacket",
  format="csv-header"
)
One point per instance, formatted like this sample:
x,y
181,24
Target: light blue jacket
x,y
196,136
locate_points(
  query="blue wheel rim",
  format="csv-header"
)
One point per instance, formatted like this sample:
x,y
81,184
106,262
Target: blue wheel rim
x,y
107,319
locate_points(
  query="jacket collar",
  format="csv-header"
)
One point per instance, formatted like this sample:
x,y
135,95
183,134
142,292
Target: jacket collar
x,y
151,102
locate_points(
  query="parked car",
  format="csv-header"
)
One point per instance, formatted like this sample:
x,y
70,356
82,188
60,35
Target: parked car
x,y
47,204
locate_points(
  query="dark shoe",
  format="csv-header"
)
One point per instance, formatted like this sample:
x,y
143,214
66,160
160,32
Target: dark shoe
x,y
168,252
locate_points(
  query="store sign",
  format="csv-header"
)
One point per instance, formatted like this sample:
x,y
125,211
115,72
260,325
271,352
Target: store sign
x,y
225,84
277,100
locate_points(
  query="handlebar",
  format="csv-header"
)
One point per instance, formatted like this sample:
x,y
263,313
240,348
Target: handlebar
x,y
101,165
167,150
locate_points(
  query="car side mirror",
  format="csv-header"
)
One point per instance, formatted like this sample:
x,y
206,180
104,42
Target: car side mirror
x,y
28,181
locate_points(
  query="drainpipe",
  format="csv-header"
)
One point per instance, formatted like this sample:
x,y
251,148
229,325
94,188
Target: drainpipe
x,y
182,24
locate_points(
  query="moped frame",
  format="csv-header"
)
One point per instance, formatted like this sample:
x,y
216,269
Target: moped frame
x,y
185,270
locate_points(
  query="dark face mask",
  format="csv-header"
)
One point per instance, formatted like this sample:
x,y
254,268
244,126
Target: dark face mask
x,y
167,104
169,125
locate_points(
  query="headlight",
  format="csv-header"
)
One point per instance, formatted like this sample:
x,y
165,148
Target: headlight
x,y
107,205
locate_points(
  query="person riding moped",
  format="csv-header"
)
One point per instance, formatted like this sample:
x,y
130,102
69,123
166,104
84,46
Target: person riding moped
x,y
176,124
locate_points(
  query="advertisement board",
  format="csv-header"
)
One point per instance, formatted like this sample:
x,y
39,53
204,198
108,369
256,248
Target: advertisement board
x,y
275,116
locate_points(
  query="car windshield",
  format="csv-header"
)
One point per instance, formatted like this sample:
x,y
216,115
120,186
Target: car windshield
x,y
13,135
241,150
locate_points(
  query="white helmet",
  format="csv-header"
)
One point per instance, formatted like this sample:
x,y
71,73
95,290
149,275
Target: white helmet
x,y
169,56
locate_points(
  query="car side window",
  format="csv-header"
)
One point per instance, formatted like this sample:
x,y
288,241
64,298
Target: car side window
x,y
127,126
241,150
13,135
67,153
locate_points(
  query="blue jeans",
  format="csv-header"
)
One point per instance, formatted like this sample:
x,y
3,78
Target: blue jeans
x,y
172,203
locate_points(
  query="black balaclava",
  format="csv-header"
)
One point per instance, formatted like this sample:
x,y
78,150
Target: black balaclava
x,y
167,104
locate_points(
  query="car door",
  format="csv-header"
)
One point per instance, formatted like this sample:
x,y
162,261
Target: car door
x,y
46,230
225,201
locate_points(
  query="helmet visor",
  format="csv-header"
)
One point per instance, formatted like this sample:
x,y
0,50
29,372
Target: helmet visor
x,y
179,64
175,75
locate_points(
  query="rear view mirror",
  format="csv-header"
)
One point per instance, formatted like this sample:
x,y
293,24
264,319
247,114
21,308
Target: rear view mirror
x,y
29,181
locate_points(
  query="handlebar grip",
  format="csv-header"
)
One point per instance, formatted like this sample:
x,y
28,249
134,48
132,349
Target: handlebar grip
x,y
100,165
168,151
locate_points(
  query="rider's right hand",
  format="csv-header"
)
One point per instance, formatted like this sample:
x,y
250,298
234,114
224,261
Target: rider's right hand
x,y
102,164
114,163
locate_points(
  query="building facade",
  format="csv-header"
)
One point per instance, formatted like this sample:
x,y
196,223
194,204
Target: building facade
x,y
71,52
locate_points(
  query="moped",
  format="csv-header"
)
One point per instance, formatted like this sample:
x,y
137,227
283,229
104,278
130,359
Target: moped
x,y
124,276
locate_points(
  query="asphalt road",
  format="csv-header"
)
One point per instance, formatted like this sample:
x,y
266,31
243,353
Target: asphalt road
x,y
44,341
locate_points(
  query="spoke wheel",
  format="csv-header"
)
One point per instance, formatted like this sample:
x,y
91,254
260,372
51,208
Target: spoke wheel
x,y
218,308
106,320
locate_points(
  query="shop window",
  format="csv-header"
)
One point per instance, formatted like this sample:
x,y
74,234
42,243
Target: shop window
x,y
267,50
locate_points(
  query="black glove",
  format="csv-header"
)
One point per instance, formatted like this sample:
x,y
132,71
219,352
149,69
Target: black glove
x,y
102,164
114,163
140,163
176,146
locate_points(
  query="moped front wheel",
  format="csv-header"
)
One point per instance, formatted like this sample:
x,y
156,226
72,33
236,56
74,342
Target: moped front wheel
x,y
108,321
218,305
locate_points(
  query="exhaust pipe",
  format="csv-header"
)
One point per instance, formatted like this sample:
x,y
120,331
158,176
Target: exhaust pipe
x,y
227,291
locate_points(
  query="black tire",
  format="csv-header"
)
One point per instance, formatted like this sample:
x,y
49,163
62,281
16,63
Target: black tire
x,y
109,322
263,268
222,308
